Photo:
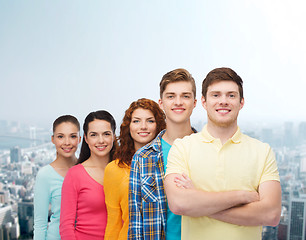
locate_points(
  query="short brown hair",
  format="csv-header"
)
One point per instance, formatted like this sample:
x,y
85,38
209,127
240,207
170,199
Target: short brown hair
x,y
222,74
177,75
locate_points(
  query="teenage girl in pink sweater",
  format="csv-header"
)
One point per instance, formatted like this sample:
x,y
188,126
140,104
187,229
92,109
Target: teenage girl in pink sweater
x,y
83,210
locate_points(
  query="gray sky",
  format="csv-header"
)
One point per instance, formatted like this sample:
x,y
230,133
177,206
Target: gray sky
x,y
73,57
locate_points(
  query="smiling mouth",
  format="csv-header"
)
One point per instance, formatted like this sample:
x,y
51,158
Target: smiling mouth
x,y
67,150
100,148
223,111
143,134
178,110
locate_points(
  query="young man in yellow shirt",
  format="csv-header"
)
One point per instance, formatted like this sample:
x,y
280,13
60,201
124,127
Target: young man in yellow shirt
x,y
220,161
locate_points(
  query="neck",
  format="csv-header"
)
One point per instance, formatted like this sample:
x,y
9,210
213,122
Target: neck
x,y
138,146
224,133
95,161
65,162
174,131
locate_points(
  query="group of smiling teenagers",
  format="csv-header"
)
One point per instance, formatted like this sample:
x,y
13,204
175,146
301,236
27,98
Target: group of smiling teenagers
x,y
160,179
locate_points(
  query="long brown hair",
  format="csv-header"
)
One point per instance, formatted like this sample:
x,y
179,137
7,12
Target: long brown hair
x,y
126,149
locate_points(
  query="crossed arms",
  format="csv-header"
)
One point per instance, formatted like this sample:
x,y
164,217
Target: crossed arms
x,y
245,208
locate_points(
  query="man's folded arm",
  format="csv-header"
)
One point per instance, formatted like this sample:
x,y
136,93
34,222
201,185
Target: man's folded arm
x,y
198,203
265,212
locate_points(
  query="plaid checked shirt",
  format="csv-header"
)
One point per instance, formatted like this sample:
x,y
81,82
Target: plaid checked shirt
x,y
147,197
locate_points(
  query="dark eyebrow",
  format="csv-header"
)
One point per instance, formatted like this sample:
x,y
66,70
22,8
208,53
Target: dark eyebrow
x,y
173,93
140,118
226,92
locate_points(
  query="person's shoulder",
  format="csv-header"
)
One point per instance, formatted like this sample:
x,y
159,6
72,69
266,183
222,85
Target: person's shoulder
x,y
113,166
75,175
188,139
254,141
114,173
44,175
76,169
45,171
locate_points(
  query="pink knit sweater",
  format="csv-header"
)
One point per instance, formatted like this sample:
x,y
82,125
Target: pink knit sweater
x,y
83,210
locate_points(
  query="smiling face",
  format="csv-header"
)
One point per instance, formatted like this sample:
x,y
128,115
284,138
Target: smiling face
x,y
178,102
142,127
100,138
66,139
223,103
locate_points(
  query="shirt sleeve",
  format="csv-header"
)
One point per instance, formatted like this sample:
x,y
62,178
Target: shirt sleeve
x,y
41,205
135,231
112,199
270,171
177,159
69,206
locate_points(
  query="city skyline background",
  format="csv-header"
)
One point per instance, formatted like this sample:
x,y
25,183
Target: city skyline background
x,y
74,57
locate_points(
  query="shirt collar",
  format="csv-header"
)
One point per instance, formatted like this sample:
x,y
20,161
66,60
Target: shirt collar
x,y
236,138
156,143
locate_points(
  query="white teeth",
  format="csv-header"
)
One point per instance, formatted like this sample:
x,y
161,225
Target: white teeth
x,y
67,149
101,148
143,134
178,110
223,111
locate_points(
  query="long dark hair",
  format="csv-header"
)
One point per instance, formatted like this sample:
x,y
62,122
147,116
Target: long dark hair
x,y
100,115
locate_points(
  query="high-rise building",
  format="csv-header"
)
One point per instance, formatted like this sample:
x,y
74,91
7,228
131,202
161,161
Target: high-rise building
x,y
15,154
33,136
289,136
302,131
26,216
297,213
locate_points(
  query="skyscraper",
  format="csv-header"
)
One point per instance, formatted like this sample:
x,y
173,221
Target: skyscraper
x,y
296,230
15,154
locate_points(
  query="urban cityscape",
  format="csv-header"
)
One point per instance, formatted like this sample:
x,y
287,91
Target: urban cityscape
x,y
25,149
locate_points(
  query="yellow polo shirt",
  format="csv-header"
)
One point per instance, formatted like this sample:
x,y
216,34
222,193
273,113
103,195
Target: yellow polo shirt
x,y
242,163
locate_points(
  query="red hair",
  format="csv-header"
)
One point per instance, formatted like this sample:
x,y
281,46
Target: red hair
x,y
126,149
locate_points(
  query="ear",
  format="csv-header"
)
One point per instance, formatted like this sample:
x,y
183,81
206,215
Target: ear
x,y
80,139
241,103
195,103
85,138
52,139
203,101
160,103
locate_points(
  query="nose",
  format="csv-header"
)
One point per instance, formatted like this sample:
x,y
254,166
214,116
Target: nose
x,y
143,125
67,142
223,100
101,139
178,100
